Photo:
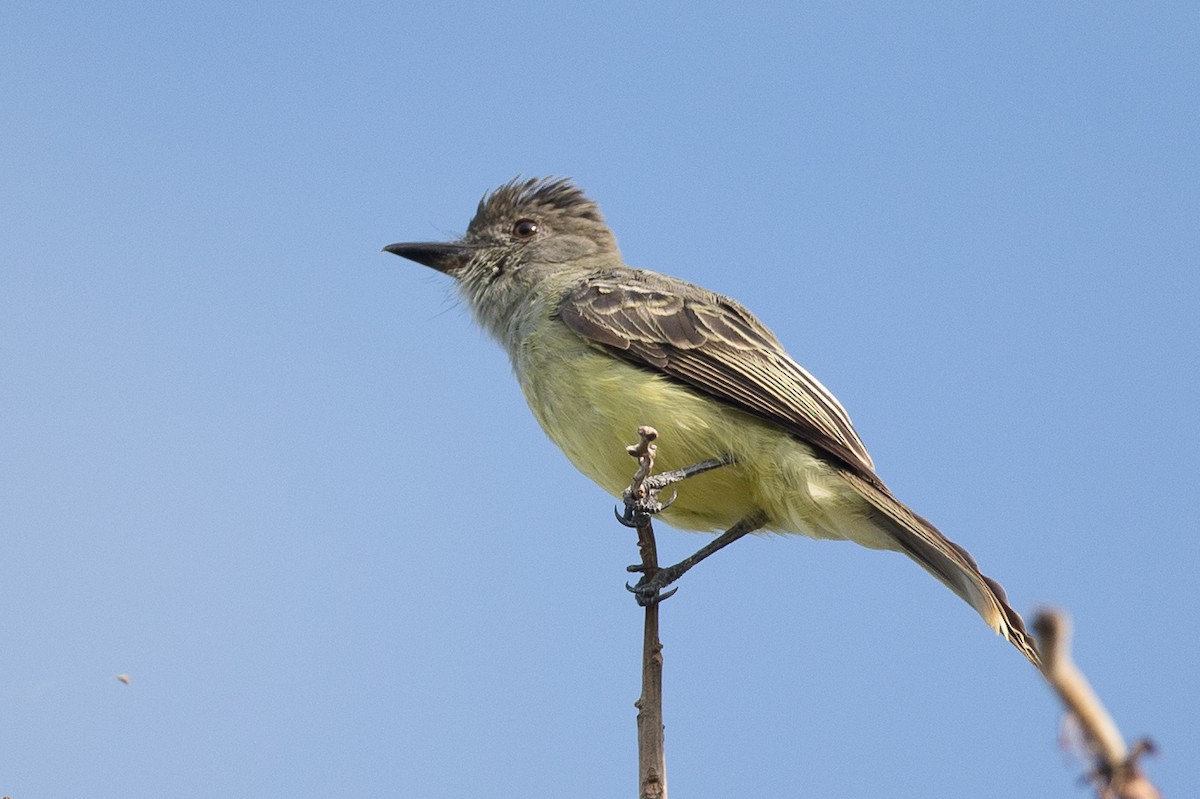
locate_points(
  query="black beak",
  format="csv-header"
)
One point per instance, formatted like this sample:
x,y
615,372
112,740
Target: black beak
x,y
447,257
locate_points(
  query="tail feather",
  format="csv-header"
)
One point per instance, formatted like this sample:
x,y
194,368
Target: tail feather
x,y
948,562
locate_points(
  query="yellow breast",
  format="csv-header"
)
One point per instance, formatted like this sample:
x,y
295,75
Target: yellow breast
x,y
591,403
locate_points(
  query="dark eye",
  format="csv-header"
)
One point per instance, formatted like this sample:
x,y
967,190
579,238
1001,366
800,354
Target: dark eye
x,y
525,228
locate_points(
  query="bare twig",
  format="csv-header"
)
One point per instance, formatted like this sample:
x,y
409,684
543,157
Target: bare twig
x,y
1115,773
644,451
652,761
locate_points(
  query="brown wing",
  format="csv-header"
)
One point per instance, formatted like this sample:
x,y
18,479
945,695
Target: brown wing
x,y
714,345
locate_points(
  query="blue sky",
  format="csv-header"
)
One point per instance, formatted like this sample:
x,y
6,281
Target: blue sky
x,y
277,477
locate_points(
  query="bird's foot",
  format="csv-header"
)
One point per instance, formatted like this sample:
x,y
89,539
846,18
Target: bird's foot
x,y
639,510
649,591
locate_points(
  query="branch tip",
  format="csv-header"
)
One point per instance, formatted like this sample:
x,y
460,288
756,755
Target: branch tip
x,y
1115,771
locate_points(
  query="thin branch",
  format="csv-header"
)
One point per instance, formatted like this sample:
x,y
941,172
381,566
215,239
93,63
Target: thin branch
x,y
1115,773
652,760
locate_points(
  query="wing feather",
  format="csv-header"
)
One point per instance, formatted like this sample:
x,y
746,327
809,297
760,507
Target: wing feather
x,y
714,345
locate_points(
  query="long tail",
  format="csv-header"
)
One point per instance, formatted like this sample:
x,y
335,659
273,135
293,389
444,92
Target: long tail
x,y
948,562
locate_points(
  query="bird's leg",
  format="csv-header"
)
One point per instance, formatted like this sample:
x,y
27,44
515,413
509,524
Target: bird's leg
x,y
647,591
639,508
641,503
657,482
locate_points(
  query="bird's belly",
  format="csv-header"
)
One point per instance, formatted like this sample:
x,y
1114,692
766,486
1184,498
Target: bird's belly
x,y
591,404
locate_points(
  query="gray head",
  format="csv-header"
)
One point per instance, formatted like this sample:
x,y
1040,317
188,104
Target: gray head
x,y
538,222
524,233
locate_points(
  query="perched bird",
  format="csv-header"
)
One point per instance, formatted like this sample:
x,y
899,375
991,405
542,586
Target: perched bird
x,y
600,348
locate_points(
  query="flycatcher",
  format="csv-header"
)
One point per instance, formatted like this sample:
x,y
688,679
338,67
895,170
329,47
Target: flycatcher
x,y
600,348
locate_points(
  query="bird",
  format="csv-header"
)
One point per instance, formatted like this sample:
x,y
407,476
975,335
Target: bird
x,y
600,348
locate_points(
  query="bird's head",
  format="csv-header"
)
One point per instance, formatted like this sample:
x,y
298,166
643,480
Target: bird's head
x,y
539,225
529,238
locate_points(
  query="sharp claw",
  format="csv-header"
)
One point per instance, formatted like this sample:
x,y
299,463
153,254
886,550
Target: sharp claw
x,y
663,506
624,518
643,592
646,600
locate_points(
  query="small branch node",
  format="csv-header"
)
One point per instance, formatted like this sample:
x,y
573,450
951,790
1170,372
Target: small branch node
x,y
1115,773
644,451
